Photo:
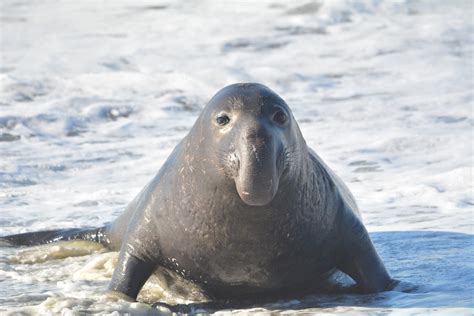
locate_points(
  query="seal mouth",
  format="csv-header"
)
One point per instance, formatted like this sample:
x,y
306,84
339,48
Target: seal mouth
x,y
257,194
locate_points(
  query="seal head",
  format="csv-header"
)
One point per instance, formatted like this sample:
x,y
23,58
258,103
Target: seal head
x,y
251,127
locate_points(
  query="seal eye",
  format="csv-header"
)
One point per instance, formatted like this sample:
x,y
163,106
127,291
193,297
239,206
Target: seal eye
x,y
280,117
222,120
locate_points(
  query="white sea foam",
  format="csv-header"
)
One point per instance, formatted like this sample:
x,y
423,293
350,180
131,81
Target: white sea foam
x,y
95,95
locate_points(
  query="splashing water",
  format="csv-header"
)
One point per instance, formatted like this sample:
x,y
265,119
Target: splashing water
x,y
94,96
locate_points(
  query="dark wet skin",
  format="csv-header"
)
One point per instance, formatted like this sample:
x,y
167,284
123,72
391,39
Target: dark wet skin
x,y
243,208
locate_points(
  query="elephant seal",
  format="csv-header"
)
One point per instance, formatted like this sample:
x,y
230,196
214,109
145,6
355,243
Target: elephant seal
x,y
241,208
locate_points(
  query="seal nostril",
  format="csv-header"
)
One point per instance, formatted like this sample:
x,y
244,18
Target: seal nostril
x,y
251,134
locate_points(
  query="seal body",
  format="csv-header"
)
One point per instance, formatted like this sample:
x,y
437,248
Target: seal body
x,y
243,208
246,208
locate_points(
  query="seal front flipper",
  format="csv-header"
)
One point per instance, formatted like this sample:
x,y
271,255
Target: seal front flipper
x,y
130,274
360,259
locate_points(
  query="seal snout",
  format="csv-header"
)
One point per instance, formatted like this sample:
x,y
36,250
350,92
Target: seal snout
x,y
257,178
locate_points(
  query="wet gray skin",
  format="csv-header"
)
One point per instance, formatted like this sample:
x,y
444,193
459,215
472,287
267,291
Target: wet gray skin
x,y
242,208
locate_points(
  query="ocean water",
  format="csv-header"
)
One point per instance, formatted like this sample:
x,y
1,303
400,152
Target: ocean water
x,y
94,95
